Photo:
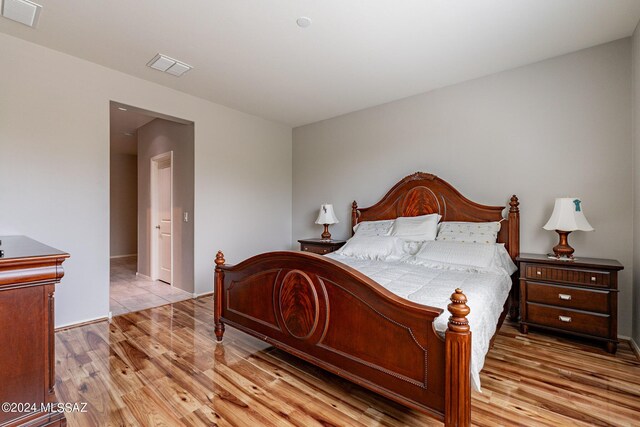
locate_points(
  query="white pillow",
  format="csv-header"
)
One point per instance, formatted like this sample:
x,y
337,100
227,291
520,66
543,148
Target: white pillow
x,y
456,253
384,248
471,232
373,228
410,247
465,256
503,260
420,228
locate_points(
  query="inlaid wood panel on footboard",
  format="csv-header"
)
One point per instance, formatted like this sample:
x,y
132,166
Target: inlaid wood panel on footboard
x,y
333,316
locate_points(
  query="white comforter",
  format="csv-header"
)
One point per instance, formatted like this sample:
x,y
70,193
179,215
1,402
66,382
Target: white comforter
x,y
486,293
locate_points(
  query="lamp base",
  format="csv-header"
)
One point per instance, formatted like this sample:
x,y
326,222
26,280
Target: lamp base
x,y
326,235
562,250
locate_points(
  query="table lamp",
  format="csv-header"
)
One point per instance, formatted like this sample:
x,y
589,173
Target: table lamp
x,y
567,216
326,217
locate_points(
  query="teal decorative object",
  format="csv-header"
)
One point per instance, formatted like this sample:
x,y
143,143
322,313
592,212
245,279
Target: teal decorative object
x,y
577,203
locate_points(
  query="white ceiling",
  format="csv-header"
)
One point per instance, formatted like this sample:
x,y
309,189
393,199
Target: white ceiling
x,y
251,55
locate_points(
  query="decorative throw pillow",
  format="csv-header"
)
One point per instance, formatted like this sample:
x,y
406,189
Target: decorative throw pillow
x,y
470,232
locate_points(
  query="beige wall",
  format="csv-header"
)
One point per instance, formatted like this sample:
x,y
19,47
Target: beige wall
x,y
123,181
561,127
158,137
54,169
636,183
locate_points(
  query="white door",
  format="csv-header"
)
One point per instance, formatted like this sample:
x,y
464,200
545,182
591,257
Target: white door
x,y
163,228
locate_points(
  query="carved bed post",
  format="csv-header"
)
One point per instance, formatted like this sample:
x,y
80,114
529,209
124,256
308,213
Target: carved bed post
x,y
218,295
514,227
354,216
514,251
457,397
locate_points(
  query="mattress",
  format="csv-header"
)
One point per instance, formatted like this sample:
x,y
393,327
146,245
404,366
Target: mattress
x,y
486,292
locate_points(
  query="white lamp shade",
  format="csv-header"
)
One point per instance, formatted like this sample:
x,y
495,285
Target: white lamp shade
x,y
326,215
568,215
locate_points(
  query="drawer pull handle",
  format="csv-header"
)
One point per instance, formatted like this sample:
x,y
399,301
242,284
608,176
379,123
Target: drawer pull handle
x,y
564,319
593,278
539,273
565,297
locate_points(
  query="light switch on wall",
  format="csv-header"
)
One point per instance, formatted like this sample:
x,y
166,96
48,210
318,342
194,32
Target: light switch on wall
x,y
186,217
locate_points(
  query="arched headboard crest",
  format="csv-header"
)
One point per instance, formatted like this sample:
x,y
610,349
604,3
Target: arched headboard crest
x,y
424,193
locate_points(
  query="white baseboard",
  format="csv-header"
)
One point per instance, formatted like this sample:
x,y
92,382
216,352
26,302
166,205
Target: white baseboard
x,y
123,256
80,323
144,276
203,294
635,348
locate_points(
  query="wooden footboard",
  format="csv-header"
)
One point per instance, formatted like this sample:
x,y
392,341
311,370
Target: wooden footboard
x,y
340,320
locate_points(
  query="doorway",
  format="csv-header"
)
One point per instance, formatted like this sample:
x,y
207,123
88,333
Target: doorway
x,y
162,217
151,209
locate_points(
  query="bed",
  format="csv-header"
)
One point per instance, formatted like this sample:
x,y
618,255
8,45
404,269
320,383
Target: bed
x,y
430,283
334,316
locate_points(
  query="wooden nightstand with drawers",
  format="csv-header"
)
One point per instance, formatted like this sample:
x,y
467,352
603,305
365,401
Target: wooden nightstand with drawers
x,y
321,246
576,297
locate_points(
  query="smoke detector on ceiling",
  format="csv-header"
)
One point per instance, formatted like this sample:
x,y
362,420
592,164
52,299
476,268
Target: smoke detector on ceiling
x,y
23,11
303,22
169,65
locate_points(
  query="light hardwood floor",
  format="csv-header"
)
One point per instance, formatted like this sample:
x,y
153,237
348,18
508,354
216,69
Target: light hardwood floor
x,y
162,367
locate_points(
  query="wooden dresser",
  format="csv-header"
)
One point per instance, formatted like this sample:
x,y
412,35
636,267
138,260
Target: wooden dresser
x,y
578,297
29,271
320,246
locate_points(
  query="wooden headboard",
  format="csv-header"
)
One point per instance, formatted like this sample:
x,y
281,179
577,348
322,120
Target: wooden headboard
x,y
424,193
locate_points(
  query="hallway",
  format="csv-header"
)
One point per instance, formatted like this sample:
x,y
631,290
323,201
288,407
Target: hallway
x,y
129,293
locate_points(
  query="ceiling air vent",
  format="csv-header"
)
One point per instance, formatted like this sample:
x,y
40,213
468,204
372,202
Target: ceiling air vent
x,y
169,65
22,11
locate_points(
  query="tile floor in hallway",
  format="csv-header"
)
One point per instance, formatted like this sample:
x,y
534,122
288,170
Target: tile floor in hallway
x,y
129,292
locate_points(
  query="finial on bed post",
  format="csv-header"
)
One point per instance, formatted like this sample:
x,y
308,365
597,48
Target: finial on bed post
x,y
354,215
457,410
459,310
219,258
514,203
218,295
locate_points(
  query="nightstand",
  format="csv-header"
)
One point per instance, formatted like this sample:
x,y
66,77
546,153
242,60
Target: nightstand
x,y
575,297
320,246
